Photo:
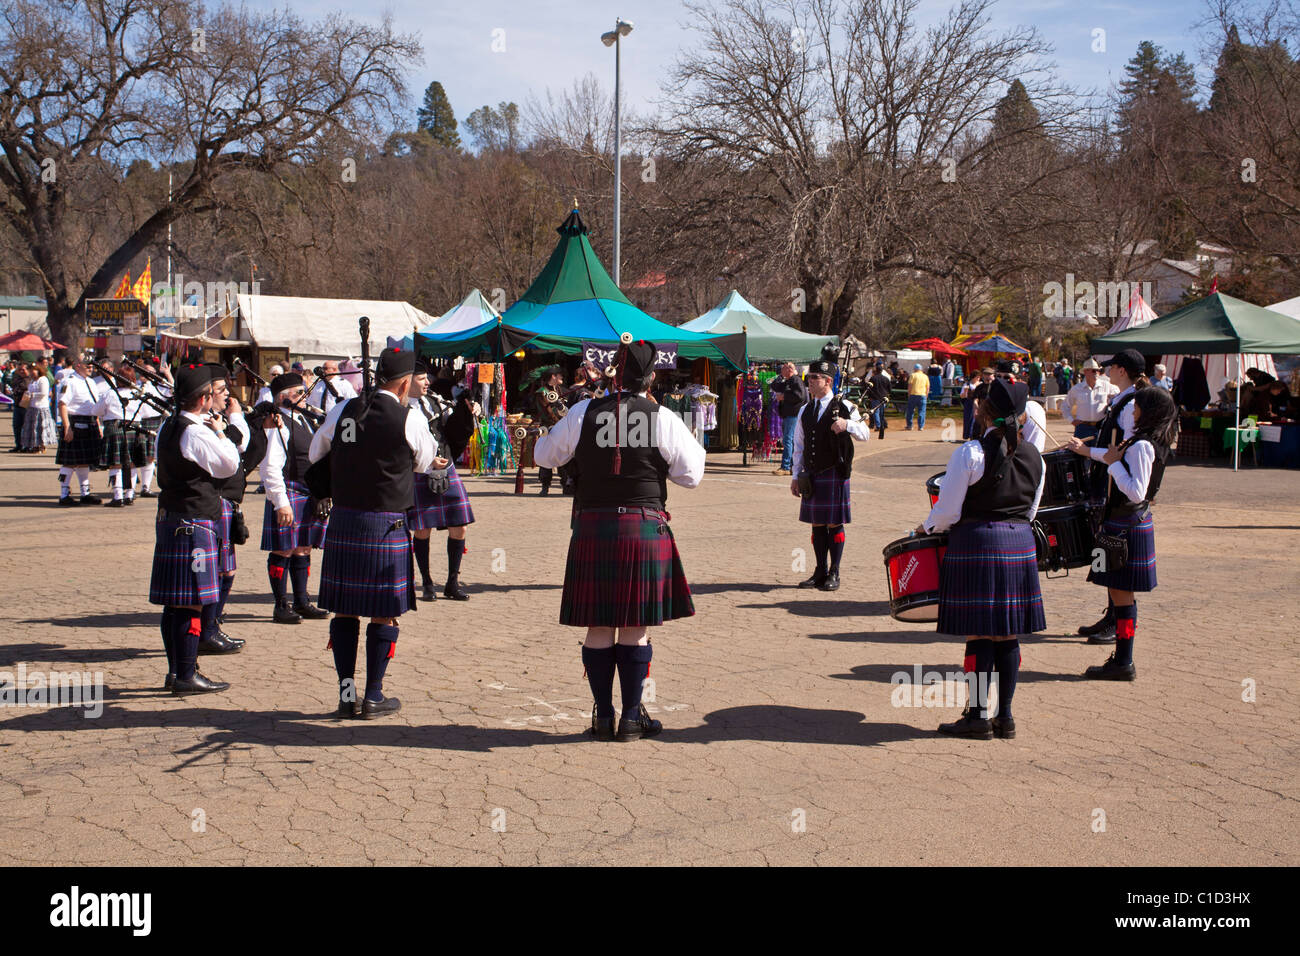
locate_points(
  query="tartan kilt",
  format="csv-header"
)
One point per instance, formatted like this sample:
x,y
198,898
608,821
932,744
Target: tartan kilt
x,y
174,580
114,449
829,503
623,570
151,426
1140,572
83,450
448,510
368,569
307,530
226,559
988,584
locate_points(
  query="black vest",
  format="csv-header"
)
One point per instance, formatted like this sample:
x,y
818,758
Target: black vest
x,y
1006,489
822,448
373,471
1118,503
297,458
642,480
232,488
1106,430
184,488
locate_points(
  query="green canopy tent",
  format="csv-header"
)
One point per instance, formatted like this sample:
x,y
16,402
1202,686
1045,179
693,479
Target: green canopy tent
x,y
573,304
768,340
1215,325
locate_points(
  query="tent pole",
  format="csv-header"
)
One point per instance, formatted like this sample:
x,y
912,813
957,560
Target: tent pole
x,y
1236,445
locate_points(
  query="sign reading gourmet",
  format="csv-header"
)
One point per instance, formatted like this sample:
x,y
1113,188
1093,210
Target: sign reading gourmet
x,y
603,355
113,313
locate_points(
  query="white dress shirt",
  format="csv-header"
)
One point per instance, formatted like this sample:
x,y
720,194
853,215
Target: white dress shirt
x,y
245,433
320,397
263,394
682,453
421,442
1133,480
1034,430
1125,425
79,395
271,469
109,406
215,454
1084,404
965,468
857,427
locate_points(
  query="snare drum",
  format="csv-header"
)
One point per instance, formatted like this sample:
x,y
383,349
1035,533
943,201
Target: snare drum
x,y
912,571
1064,537
932,487
1068,478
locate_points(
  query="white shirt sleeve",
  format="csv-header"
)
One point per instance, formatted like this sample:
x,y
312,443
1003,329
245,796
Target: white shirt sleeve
x,y
215,454
423,447
241,426
272,467
1038,495
857,427
684,455
558,446
1071,406
796,459
1034,429
1133,480
965,467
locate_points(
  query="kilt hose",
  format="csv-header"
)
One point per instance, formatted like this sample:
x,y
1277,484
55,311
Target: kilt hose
x,y
448,510
227,556
623,570
1140,572
829,503
151,426
988,584
185,562
83,450
368,569
307,529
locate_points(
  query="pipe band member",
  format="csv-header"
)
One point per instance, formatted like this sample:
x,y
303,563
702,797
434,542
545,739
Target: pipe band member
x,y
377,445
823,453
450,424
623,574
1127,374
292,524
79,434
1033,420
193,456
548,410
1136,468
152,421
988,586
114,446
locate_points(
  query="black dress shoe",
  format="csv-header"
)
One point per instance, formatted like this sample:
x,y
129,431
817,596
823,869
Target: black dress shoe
x,y
1103,637
1112,671
546,491
117,503
168,681
1004,728
68,501
972,728
198,684
1105,626
213,644
813,582
832,582
285,615
91,500
453,592
634,728
430,593
602,728
310,611
148,494
348,709
129,501
370,709
222,635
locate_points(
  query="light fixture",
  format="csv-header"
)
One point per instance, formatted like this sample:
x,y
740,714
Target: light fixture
x,y
520,354
621,28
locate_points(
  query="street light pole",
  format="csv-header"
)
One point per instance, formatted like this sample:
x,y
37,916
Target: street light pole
x,y
621,29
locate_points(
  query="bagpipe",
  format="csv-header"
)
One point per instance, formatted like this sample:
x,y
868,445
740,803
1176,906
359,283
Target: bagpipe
x,y
161,405
318,478
260,412
136,451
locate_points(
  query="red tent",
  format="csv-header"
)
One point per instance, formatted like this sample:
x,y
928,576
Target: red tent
x,y
21,341
937,346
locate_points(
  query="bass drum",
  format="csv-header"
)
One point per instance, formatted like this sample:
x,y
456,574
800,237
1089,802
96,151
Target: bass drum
x,y
1068,478
912,569
1064,537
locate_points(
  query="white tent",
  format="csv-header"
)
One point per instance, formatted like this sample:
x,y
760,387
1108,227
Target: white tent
x,y
315,329
1289,307
470,313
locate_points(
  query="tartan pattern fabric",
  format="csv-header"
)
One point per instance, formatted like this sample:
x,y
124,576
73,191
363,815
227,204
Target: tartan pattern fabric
x,y
151,426
83,450
448,510
988,584
1140,572
227,555
307,530
185,563
368,568
623,570
829,503
115,449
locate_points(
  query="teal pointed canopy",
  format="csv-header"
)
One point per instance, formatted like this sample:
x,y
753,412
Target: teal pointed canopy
x,y
1214,325
767,339
573,300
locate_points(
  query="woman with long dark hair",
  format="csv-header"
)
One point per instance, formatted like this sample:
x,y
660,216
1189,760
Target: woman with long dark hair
x,y
1135,468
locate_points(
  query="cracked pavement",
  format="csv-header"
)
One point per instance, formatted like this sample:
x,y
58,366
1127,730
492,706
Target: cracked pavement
x,y
782,742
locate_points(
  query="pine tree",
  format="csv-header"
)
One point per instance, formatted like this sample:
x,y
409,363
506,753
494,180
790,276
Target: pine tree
x,y
1015,113
436,118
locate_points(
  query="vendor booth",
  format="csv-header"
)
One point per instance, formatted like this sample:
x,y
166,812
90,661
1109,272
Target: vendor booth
x,y
768,340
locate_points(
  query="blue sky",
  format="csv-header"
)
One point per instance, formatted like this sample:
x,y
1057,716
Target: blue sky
x,y
551,43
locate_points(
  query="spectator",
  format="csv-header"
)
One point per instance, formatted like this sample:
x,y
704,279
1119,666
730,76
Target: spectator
x,y
1035,377
1162,378
1086,403
791,395
918,389
1064,376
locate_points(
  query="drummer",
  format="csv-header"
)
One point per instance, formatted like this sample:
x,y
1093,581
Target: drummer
x,y
988,589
